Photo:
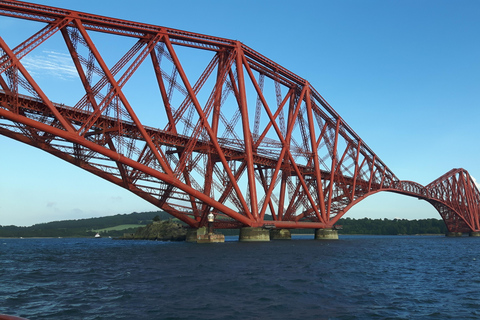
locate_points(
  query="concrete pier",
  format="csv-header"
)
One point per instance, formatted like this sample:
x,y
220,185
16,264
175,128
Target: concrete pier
x,y
210,238
326,234
454,234
192,234
201,235
280,234
249,234
474,234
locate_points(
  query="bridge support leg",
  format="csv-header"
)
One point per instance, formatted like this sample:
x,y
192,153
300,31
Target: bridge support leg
x,y
210,238
454,234
474,234
280,234
326,234
249,234
192,234
201,235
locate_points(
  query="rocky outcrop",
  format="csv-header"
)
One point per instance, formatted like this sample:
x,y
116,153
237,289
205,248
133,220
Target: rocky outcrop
x,y
167,230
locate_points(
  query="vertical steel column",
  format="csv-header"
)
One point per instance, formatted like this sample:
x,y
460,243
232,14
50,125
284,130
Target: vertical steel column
x,y
332,171
316,163
247,135
355,174
163,91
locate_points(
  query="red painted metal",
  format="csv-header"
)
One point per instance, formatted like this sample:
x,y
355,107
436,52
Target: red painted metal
x,y
247,139
7,317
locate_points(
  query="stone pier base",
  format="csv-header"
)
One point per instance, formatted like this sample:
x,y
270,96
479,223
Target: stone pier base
x,y
193,233
201,235
210,238
454,234
249,234
326,234
280,234
474,234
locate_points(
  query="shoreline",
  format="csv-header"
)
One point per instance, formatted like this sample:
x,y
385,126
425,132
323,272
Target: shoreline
x,y
293,234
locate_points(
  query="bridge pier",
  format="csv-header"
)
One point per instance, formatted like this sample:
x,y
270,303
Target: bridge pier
x,y
326,234
454,234
280,234
249,234
210,238
201,235
192,235
474,234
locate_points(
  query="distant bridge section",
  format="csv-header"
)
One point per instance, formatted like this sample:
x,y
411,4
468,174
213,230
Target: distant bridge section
x,y
242,137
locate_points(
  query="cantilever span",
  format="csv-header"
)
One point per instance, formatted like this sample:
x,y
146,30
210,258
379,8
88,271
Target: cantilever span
x,y
242,138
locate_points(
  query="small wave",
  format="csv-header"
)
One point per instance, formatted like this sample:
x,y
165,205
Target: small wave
x,y
360,277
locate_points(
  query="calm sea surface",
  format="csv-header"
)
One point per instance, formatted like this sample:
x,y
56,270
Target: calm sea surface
x,y
356,277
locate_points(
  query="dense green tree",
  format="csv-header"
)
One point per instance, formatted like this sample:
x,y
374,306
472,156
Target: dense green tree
x,y
82,227
392,227
85,227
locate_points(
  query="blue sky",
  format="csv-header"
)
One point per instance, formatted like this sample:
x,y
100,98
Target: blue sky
x,y
405,75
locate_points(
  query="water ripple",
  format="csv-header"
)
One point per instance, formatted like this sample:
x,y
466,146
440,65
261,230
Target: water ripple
x,y
357,277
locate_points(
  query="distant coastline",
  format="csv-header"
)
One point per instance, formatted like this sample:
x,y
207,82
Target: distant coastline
x,y
120,224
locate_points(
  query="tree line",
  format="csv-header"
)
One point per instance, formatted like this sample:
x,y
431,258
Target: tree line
x,y
391,227
87,227
82,227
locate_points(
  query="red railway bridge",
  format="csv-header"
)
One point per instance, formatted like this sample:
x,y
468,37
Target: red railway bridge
x,y
243,138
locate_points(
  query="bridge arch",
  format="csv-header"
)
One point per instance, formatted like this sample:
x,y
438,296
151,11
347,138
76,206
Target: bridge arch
x,y
455,221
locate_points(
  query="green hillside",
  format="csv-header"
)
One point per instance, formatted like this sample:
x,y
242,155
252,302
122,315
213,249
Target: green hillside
x,y
121,227
113,226
117,225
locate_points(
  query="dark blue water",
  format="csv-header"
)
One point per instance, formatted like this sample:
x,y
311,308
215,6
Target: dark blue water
x,y
356,277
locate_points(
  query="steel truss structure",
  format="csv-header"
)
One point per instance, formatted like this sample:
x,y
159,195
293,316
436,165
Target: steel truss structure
x,y
243,138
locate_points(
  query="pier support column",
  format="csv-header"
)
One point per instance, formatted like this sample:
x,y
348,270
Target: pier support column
x,y
454,234
326,234
201,235
474,234
192,235
280,234
249,234
210,238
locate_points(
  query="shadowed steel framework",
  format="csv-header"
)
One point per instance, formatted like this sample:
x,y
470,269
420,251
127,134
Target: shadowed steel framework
x,y
243,138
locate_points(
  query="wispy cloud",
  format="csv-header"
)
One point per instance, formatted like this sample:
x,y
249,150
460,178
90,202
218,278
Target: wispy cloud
x,y
77,212
476,183
51,204
50,63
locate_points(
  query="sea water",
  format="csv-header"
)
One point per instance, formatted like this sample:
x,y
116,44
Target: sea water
x,y
355,277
